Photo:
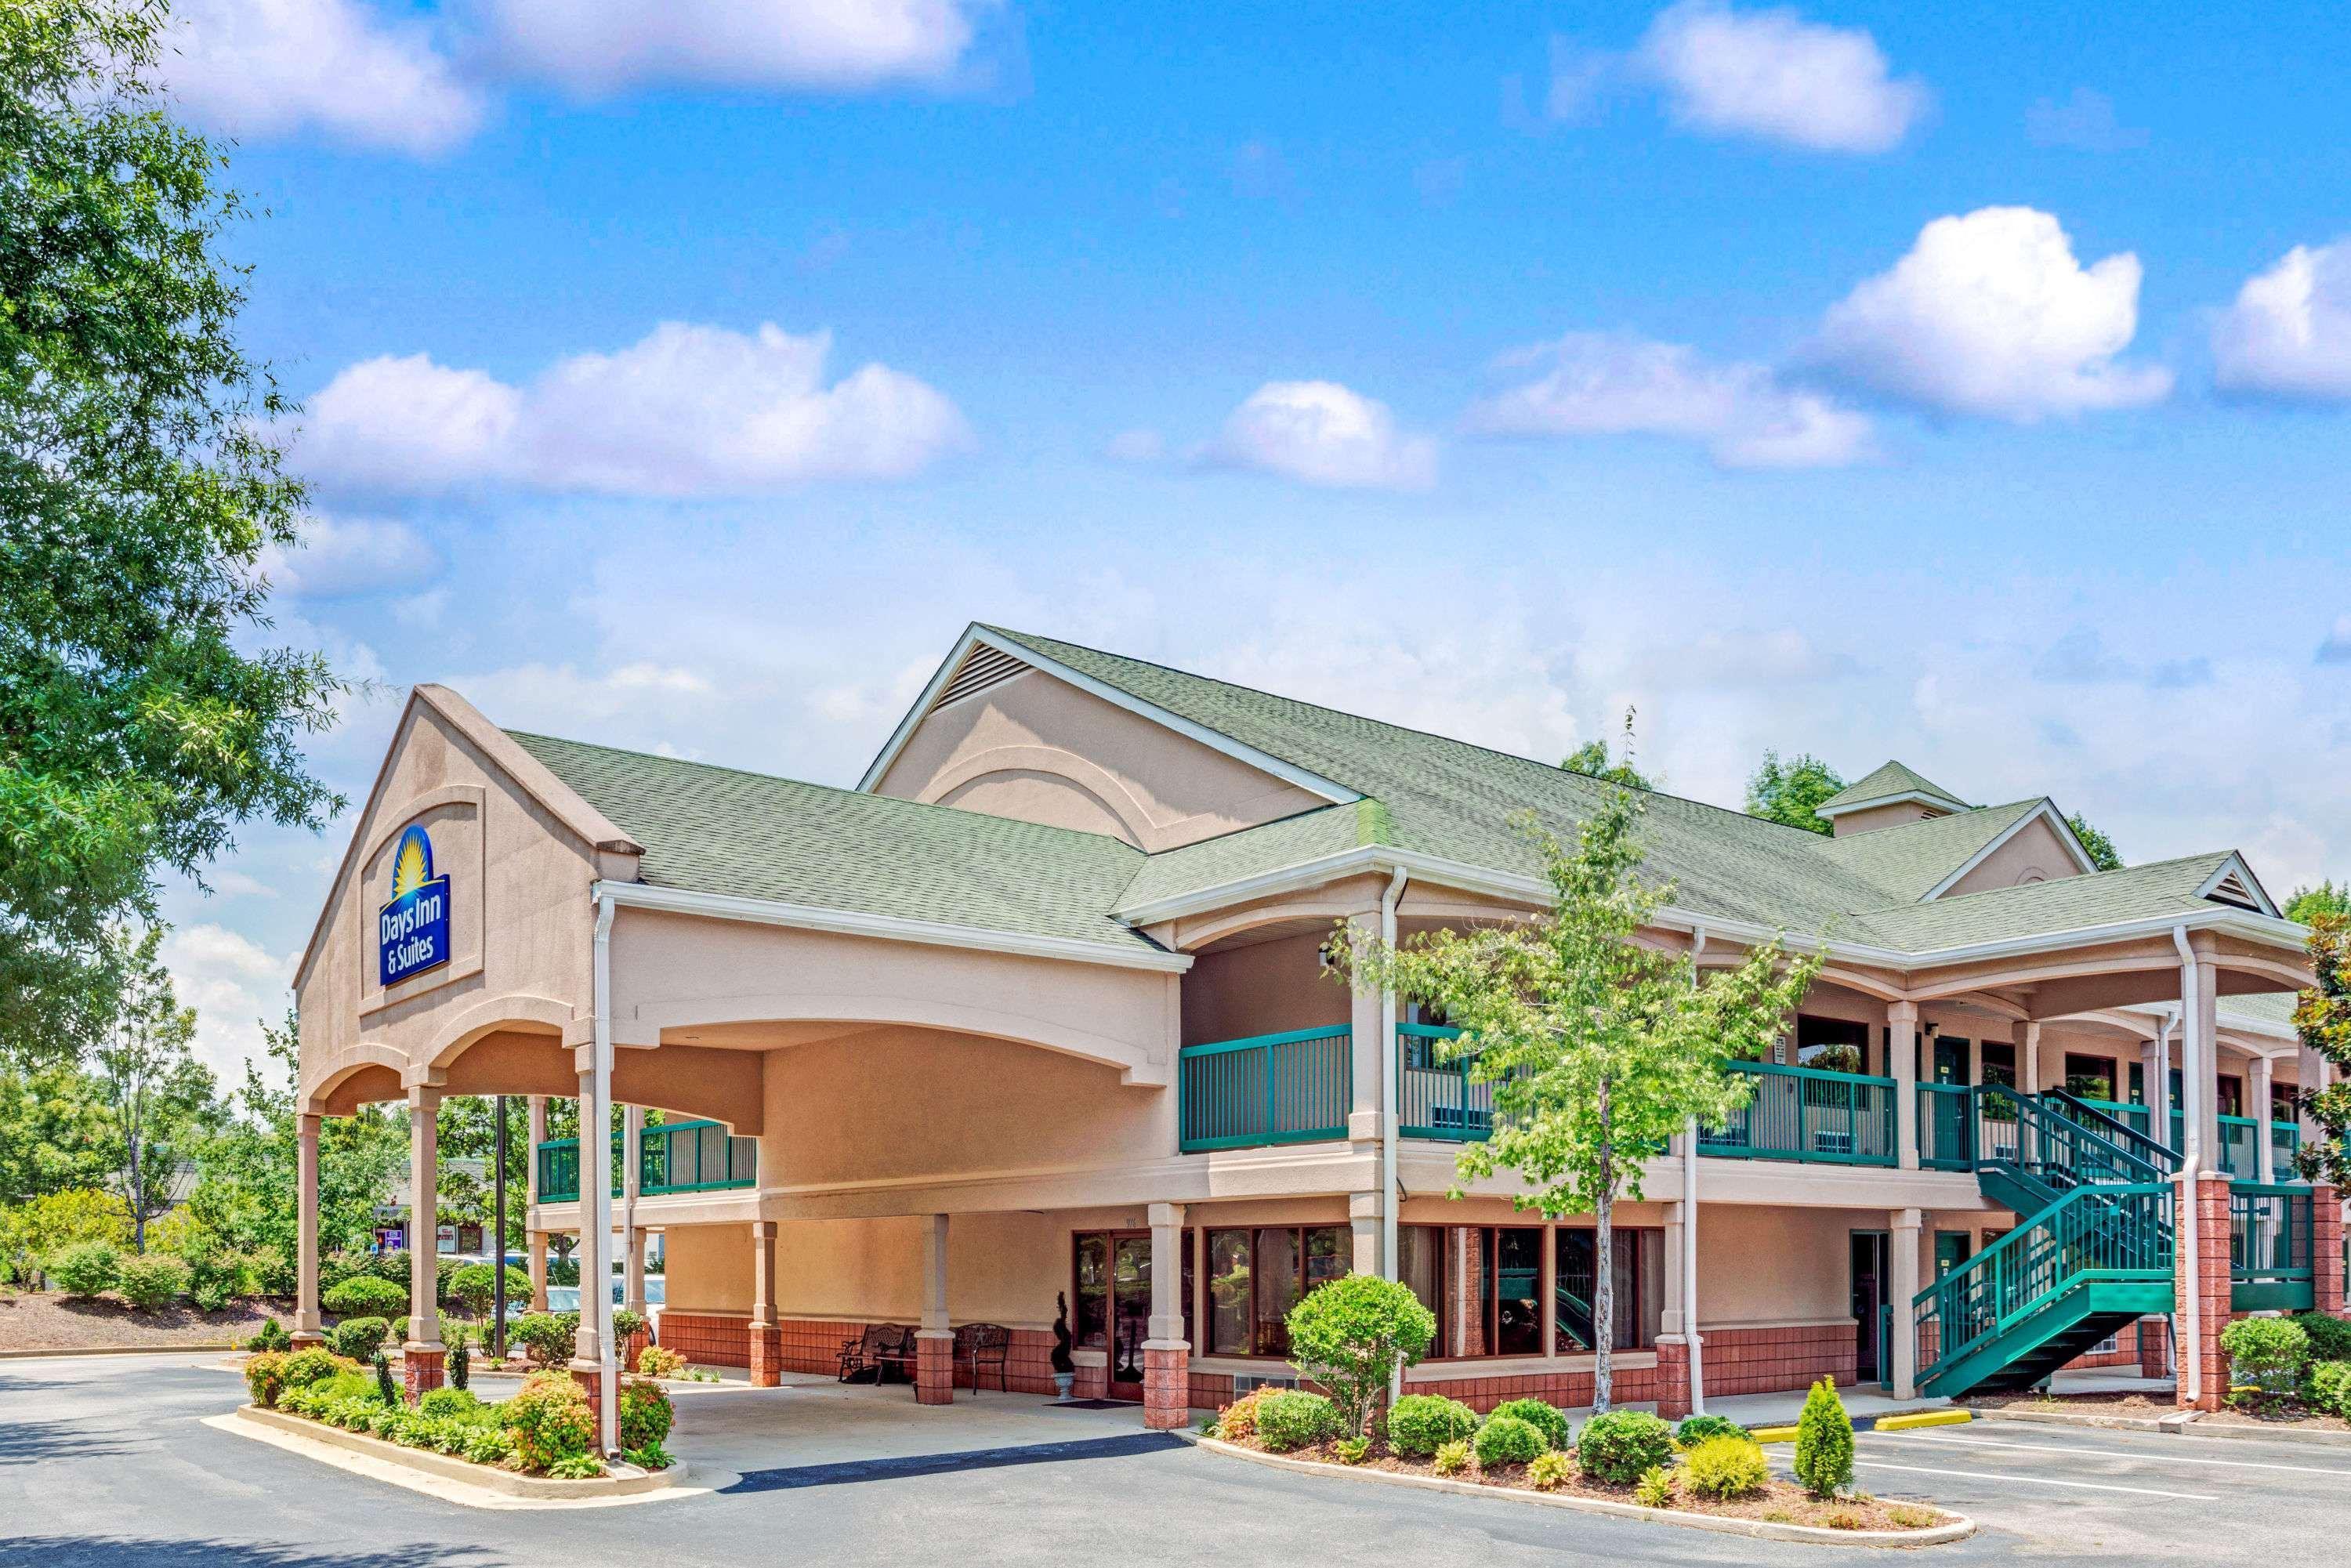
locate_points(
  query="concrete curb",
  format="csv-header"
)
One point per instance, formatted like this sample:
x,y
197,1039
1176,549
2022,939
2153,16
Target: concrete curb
x,y
2269,1434
455,1480
209,1348
1959,1529
2070,1418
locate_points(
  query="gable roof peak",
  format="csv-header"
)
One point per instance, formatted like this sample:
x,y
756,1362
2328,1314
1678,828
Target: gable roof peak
x,y
1883,786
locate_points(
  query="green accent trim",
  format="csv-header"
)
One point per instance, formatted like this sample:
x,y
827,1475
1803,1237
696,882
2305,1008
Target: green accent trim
x,y
1294,1087
1809,1116
1255,1042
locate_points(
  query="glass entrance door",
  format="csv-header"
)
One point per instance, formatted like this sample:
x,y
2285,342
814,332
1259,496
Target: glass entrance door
x,y
1869,1303
1130,1282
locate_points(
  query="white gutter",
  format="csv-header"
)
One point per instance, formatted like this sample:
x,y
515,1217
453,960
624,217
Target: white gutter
x,y
597,1147
1389,1076
1138,954
2187,1230
1689,1228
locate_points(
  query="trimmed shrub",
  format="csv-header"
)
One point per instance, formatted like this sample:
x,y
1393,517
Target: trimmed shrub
x,y
657,1362
151,1282
1548,1419
1287,1419
1655,1489
358,1338
85,1269
265,1377
365,1296
625,1323
1545,1472
451,1402
1452,1458
547,1337
1507,1440
1618,1445
385,1388
476,1286
2268,1353
1420,1424
314,1364
646,1414
489,1445
2330,1387
1726,1467
1697,1429
2329,1337
391,1267
1239,1420
1824,1442
549,1421
1351,1335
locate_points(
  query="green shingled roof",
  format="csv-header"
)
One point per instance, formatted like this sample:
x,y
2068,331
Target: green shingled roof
x,y
718,830
1889,782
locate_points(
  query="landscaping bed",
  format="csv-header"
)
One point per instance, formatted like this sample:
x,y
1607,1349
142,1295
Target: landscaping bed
x,y
2112,1403
2288,1414
50,1320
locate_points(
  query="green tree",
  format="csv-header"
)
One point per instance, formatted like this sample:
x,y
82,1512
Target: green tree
x,y
1592,759
2103,856
1598,1050
1787,791
2309,903
2323,1018
140,484
55,1132
158,1095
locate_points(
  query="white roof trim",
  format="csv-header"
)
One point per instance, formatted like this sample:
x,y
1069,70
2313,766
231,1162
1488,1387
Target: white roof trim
x,y
889,927
1948,806
2045,811
2235,865
1216,741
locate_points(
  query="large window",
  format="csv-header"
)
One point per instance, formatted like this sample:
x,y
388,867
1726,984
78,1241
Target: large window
x,y
1833,1045
1256,1276
1999,1062
1484,1282
2091,1077
2232,1095
1634,1320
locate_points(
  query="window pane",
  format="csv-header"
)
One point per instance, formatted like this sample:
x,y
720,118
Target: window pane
x,y
1191,1287
1092,1326
1576,1288
1420,1265
1627,1321
1228,1291
1327,1247
1518,1304
1277,1289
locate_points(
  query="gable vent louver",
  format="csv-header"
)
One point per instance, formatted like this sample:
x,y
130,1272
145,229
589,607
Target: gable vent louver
x,y
983,668
2231,889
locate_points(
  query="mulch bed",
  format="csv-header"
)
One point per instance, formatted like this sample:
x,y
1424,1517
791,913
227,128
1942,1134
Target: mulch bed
x,y
2114,1402
2291,1415
1779,1503
48,1321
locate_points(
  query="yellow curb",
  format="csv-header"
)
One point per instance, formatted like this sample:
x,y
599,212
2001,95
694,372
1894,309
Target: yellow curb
x,y
1773,1433
1924,1418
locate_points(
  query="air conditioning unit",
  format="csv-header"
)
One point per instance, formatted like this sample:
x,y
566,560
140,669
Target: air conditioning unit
x,y
1243,1383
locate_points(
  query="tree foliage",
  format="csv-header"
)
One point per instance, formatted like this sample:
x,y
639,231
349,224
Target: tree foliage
x,y
1591,759
139,485
2103,854
2323,1018
1787,791
1597,1047
160,1096
2309,903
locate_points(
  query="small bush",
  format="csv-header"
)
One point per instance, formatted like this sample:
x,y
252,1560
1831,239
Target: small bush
x,y
385,1388
85,1269
151,1282
265,1377
1288,1419
545,1336
576,1468
1238,1420
1452,1458
651,1456
1617,1447
1547,1471
1843,1519
1655,1489
646,1414
2329,1337
476,1286
1726,1467
489,1445
1824,1442
358,1338
390,1267
365,1296
2268,1353
1352,1334
549,1421
1697,1429
1351,1451
1548,1419
272,1335
1420,1424
657,1362
314,1364
2330,1387
625,1325
1507,1440
450,1402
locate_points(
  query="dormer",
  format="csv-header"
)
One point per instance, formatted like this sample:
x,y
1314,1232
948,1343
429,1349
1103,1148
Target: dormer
x,y
1887,798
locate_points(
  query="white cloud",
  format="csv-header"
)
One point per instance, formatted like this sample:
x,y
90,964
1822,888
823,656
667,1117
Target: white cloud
x,y
2084,122
598,46
1321,432
644,695
688,409
1595,383
1772,75
272,68
1990,314
233,983
341,556
2289,333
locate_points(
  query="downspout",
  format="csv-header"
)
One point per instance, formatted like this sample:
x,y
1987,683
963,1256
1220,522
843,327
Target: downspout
x,y
2188,1235
601,1141
1389,1191
1689,1225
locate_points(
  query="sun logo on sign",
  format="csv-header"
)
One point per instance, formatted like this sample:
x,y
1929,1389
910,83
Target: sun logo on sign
x,y
411,867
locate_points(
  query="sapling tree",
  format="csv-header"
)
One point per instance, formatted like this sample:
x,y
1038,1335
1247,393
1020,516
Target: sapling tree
x,y
2323,1018
1598,1047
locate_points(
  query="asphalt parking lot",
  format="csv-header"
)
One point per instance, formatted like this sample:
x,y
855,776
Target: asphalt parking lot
x,y
109,1461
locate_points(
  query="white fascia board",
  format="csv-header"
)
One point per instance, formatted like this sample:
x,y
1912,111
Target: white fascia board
x,y
2045,811
1829,813
1216,741
2236,863
888,927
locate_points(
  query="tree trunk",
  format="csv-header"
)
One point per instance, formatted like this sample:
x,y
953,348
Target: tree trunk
x,y
1603,1272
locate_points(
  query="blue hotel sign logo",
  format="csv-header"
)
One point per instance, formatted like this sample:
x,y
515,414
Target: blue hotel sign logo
x,y
413,931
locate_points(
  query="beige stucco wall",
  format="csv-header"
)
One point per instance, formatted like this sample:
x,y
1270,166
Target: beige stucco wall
x,y
2035,853
1758,1265
1040,750
1262,989
708,1268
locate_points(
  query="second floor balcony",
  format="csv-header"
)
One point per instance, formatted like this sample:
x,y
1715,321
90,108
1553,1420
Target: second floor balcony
x,y
674,1157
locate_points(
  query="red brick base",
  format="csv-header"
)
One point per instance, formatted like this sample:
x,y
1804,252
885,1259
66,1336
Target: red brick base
x,y
1673,1379
767,1355
2326,1248
421,1371
1778,1360
933,1368
592,1384
2154,1346
1166,1388
2203,1380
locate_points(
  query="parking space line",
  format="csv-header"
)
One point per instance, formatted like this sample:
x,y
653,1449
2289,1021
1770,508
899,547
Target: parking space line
x,y
2124,1454
2038,1480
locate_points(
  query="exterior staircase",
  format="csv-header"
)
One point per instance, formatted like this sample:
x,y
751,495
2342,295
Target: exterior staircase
x,y
2092,1251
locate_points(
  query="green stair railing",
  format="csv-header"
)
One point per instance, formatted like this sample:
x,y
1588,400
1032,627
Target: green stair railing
x,y
2097,1118
1294,1087
1805,1114
2063,1147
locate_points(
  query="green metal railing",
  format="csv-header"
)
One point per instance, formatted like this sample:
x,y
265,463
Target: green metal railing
x,y
2269,1232
1805,1114
2139,1119
2119,1231
673,1157
2239,1141
2060,1142
1946,1127
1290,1088
1437,1099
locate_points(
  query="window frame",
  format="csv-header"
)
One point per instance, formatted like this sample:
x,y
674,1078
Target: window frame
x,y
1302,1279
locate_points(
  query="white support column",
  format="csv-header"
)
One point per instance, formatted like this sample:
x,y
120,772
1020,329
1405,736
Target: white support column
x,y
1902,1262
632,1134
1165,1329
2257,1091
2027,1036
1902,1064
424,1218
935,1340
306,1230
2200,1064
594,1248
2158,1088
1689,1266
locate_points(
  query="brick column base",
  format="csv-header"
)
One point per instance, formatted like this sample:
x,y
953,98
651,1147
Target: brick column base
x,y
421,1371
1166,1386
592,1384
2154,1341
1673,1377
2326,1248
767,1355
2202,1224
303,1339
634,1346
934,1367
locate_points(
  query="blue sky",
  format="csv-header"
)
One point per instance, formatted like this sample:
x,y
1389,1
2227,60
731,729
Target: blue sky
x,y
1965,383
